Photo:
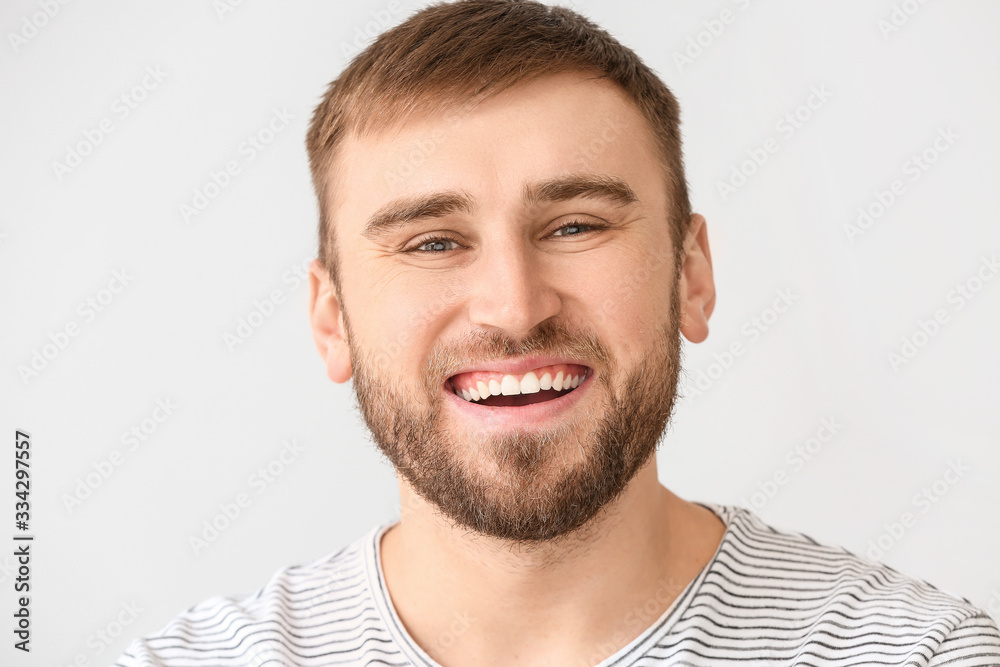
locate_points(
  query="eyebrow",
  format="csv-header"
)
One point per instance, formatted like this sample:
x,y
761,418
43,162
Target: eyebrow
x,y
398,212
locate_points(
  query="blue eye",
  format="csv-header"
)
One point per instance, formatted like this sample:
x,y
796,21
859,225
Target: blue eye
x,y
572,225
439,245
437,242
579,226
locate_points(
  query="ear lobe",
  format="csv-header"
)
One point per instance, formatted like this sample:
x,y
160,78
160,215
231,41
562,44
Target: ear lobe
x,y
697,285
327,323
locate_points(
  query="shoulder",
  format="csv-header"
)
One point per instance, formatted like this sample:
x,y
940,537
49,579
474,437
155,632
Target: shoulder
x,y
813,596
758,553
330,594
974,641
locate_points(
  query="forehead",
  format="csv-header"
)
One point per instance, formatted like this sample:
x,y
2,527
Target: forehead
x,y
554,125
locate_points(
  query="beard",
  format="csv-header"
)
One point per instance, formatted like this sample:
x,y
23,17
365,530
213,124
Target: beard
x,y
520,486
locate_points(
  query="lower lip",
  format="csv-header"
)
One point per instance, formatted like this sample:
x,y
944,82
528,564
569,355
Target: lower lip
x,y
534,414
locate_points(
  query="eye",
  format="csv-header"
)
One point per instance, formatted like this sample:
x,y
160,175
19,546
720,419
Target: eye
x,y
575,228
439,245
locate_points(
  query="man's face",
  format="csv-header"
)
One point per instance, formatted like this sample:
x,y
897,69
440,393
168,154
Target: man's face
x,y
508,249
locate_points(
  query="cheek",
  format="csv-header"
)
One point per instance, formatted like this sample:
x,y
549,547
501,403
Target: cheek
x,y
405,320
628,311
634,294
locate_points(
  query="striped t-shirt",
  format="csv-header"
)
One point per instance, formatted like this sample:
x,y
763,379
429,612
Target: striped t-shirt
x,y
767,597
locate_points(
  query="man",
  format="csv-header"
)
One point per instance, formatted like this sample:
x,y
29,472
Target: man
x,y
507,261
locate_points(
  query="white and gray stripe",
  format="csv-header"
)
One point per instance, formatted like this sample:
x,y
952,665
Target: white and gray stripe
x,y
767,597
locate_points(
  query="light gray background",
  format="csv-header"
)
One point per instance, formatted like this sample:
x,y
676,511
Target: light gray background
x,y
162,336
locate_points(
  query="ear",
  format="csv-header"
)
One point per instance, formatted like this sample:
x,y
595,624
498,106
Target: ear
x,y
327,322
697,286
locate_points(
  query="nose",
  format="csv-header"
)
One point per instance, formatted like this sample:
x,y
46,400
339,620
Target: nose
x,y
512,288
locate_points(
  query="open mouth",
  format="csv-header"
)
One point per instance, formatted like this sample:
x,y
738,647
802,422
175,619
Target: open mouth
x,y
492,389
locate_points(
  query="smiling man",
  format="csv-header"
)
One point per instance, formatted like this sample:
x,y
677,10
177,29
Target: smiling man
x,y
507,262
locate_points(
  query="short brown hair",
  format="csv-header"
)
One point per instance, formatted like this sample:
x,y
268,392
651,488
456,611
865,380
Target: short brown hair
x,y
453,54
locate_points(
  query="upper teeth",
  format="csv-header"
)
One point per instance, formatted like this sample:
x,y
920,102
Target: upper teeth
x,y
530,383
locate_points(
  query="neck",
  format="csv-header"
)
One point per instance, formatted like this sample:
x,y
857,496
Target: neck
x,y
470,599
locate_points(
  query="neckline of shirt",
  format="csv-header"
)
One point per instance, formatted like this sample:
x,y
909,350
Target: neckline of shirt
x,y
634,649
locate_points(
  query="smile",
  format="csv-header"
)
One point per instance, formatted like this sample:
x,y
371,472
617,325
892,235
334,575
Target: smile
x,y
494,389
